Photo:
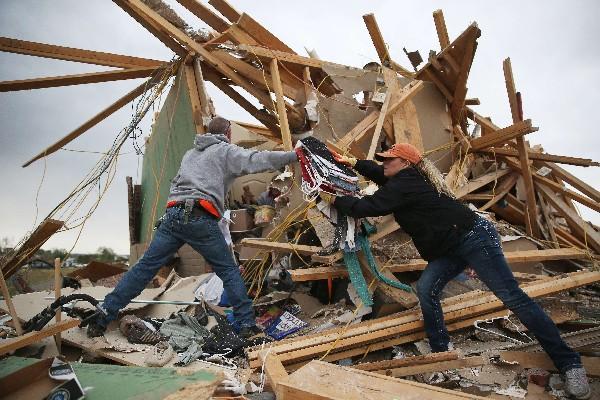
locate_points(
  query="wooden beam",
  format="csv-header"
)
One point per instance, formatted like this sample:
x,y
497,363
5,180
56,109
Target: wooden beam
x,y
392,81
190,81
505,186
549,222
78,79
317,273
263,117
13,344
152,27
226,10
460,88
319,380
586,201
286,136
584,229
430,73
262,34
205,14
468,362
283,56
77,55
276,373
381,48
577,183
528,359
479,182
27,249
503,135
11,306
111,109
369,123
440,27
533,155
531,223
304,348
408,361
281,247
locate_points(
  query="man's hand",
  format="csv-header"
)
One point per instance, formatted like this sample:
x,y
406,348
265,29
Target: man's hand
x,y
327,197
346,160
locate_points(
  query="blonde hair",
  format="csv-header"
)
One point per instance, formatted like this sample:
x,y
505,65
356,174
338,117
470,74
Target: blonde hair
x,y
434,176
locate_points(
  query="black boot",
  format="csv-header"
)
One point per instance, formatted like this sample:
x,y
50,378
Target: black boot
x,y
95,329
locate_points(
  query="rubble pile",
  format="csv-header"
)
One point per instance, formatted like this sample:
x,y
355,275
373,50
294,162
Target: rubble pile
x,y
321,340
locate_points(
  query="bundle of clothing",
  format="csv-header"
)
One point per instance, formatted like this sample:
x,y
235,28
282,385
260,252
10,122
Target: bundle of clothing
x,y
321,172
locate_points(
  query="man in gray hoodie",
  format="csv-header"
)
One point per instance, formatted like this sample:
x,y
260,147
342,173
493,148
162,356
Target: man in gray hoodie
x,y
194,207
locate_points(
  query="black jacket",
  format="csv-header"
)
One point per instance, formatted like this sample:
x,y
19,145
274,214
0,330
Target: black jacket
x,y
434,221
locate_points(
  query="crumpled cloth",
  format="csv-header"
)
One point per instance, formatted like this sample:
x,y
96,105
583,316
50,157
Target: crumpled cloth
x,y
185,335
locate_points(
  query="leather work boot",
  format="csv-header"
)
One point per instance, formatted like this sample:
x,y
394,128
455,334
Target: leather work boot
x,y
136,331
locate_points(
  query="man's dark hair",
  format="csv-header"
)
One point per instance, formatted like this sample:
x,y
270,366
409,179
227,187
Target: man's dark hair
x,y
218,126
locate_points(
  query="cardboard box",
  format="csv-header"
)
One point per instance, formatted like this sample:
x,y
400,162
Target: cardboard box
x,y
242,221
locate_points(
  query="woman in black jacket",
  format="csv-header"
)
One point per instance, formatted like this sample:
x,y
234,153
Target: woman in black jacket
x,y
450,237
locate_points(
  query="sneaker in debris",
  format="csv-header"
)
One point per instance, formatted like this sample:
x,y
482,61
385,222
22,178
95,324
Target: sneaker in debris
x,y
249,332
136,331
576,383
95,329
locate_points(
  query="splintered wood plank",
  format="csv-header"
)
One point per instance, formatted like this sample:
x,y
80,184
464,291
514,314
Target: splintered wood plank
x,y
316,273
190,81
440,27
11,306
226,10
274,370
20,256
205,14
503,135
390,78
460,88
528,359
568,193
553,158
13,344
577,183
584,230
531,224
319,380
301,349
217,64
111,109
78,79
73,54
284,126
549,221
408,361
505,186
438,366
481,181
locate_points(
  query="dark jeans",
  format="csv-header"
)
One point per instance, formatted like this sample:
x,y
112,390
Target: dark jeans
x,y
480,249
203,234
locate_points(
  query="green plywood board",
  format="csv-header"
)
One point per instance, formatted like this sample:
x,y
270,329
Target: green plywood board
x,y
172,135
109,382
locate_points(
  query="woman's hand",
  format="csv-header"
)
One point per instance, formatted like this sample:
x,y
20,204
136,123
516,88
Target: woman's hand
x,y
346,160
327,197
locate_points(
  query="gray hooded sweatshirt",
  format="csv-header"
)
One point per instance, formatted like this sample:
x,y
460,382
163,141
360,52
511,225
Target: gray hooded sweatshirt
x,y
208,170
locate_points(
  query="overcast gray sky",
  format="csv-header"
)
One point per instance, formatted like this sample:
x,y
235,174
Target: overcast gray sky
x,y
552,45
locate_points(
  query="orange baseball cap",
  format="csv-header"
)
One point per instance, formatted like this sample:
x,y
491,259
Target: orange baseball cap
x,y
403,150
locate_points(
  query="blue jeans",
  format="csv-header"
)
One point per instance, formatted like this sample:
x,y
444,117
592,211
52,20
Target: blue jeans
x,y
480,249
202,233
